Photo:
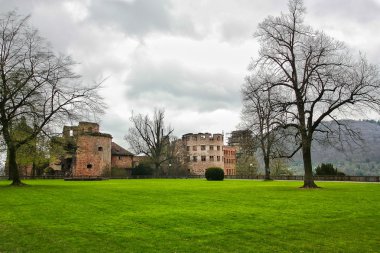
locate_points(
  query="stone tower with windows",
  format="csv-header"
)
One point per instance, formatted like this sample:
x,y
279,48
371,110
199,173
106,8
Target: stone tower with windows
x,y
92,157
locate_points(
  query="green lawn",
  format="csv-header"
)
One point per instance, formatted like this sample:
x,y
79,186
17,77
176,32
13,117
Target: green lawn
x,y
188,216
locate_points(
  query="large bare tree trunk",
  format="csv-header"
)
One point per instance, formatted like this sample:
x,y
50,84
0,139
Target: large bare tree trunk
x,y
308,167
13,168
267,169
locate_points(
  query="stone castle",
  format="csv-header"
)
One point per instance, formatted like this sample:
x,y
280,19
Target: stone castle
x,y
94,153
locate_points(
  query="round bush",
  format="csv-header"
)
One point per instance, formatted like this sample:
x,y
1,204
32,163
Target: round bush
x,y
214,174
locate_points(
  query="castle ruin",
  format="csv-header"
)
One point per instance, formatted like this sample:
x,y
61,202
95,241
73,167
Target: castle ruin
x,y
92,157
206,150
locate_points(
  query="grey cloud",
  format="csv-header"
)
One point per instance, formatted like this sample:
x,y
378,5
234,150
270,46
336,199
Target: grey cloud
x,y
173,85
139,17
236,31
21,6
116,126
365,11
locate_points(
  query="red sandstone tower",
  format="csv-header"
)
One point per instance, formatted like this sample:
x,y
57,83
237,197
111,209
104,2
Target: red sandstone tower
x,y
92,156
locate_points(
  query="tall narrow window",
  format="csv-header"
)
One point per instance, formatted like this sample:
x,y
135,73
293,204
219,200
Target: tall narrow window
x,y
203,158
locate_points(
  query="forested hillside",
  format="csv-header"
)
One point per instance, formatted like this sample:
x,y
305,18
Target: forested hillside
x,y
358,156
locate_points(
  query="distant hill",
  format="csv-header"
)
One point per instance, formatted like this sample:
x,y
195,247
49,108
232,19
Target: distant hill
x,y
353,157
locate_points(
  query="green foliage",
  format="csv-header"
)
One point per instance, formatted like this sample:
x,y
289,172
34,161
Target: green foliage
x,y
327,169
279,167
175,169
119,172
247,165
49,171
214,174
188,216
32,153
142,169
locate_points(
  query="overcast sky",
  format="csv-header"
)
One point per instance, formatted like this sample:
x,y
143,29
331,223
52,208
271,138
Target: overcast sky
x,y
187,56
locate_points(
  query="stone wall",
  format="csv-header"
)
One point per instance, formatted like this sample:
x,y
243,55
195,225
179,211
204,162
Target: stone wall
x,y
93,155
82,128
122,161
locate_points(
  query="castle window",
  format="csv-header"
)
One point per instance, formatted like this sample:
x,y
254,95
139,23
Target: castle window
x,y
187,148
71,133
194,158
203,147
211,147
203,158
211,158
89,166
119,157
218,158
217,147
100,148
194,148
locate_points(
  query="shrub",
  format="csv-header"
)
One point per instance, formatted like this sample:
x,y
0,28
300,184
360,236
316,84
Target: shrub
x,y
142,170
327,169
339,173
214,174
49,171
119,172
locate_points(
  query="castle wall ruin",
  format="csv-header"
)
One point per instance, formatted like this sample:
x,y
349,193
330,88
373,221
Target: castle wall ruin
x,y
204,150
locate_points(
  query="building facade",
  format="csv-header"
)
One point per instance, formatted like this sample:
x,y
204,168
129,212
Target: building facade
x,y
92,153
120,157
229,160
206,150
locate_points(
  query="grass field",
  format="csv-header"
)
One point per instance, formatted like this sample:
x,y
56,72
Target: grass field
x,y
188,216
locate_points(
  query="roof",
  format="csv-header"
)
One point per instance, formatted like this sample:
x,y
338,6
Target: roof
x,y
119,151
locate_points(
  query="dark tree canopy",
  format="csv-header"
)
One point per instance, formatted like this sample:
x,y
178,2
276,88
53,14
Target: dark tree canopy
x,y
36,84
316,76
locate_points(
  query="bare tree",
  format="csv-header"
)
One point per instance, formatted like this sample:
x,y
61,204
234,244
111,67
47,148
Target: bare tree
x,y
151,137
259,115
36,84
316,75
